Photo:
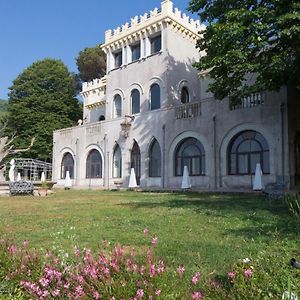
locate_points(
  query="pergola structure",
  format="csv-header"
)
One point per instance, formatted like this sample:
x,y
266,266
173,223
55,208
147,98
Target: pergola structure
x,y
31,169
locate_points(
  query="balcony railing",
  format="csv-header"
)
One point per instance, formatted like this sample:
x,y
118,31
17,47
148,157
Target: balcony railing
x,y
189,110
250,101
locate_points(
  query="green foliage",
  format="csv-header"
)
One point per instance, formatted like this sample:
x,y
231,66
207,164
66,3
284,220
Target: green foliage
x,y
3,108
41,100
91,63
293,201
258,37
266,277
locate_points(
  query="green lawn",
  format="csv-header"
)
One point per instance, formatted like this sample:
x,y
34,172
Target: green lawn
x,y
206,230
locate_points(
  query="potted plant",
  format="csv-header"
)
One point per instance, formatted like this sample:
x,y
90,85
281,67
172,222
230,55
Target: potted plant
x,y
43,189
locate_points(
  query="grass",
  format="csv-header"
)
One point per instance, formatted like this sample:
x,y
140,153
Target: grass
x,y
210,231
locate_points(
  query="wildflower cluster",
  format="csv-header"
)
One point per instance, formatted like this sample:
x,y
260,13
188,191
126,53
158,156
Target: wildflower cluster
x,y
113,273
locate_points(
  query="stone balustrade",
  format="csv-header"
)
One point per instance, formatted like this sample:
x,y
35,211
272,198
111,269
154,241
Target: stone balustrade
x,y
188,110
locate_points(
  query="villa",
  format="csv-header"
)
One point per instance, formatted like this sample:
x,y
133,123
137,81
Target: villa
x,y
152,112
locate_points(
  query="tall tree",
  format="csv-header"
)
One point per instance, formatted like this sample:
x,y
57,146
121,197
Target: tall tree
x,y
261,37
91,63
42,99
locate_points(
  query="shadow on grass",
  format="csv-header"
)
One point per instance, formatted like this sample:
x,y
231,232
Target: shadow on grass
x,y
264,218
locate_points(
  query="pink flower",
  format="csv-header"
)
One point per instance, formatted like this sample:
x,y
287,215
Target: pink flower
x,y
76,251
140,293
152,270
196,296
157,293
146,232
248,273
25,243
196,278
154,240
231,275
96,295
180,270
12,249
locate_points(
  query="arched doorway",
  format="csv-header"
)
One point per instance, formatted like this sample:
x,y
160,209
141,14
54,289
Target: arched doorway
x,y
297,159
136,161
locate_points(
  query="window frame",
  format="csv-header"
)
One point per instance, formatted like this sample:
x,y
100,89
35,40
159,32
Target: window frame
x,y
117,148
233,157
118,59
153,143
115,115
151,94
63,171
189,141
90,165
132,101
152,44
134,48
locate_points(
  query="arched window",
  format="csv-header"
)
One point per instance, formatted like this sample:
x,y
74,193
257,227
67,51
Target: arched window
x,y
67,164
117,162
94,164
154,159
136,161
101,118
135,101
190,152
117,106
185,97
154,96
245,150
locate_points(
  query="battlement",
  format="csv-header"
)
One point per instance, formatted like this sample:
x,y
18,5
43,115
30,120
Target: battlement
x,y
94,84
166,12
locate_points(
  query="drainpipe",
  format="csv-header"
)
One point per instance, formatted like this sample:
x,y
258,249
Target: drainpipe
x,y
105,165
282,141
107,172
215,152
163,156
77,161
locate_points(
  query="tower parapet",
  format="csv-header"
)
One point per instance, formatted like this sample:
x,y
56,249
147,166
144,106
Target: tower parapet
x,y
166,13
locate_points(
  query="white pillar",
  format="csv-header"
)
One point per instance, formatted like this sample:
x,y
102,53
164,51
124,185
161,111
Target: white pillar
x,y
129,54
147,45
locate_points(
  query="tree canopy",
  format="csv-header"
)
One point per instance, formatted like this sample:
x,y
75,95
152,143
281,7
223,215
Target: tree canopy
x,y
41,100
261,37
91,63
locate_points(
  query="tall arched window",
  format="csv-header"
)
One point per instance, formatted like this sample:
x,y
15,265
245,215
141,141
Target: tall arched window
x,y
154,159
185,97
190,152
94,164
117,106
154,96
67,164
245,150
135,101
117,162
136,161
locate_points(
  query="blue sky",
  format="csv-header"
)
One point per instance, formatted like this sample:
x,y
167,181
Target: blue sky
x,y
32,30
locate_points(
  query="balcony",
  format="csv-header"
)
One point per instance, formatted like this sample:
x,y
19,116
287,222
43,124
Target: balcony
x,y
187,111
252,100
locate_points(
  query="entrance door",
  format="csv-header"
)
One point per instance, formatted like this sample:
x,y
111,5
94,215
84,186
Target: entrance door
x,y
136,161
297,159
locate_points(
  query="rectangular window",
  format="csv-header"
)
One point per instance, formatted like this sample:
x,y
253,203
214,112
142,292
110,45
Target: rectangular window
x,y
155,44
118,59
135,52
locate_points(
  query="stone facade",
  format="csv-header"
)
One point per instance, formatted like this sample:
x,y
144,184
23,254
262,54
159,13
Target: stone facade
x,y
152,112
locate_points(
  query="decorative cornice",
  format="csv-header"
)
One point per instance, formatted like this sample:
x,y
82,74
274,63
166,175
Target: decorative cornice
x,y
97,104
